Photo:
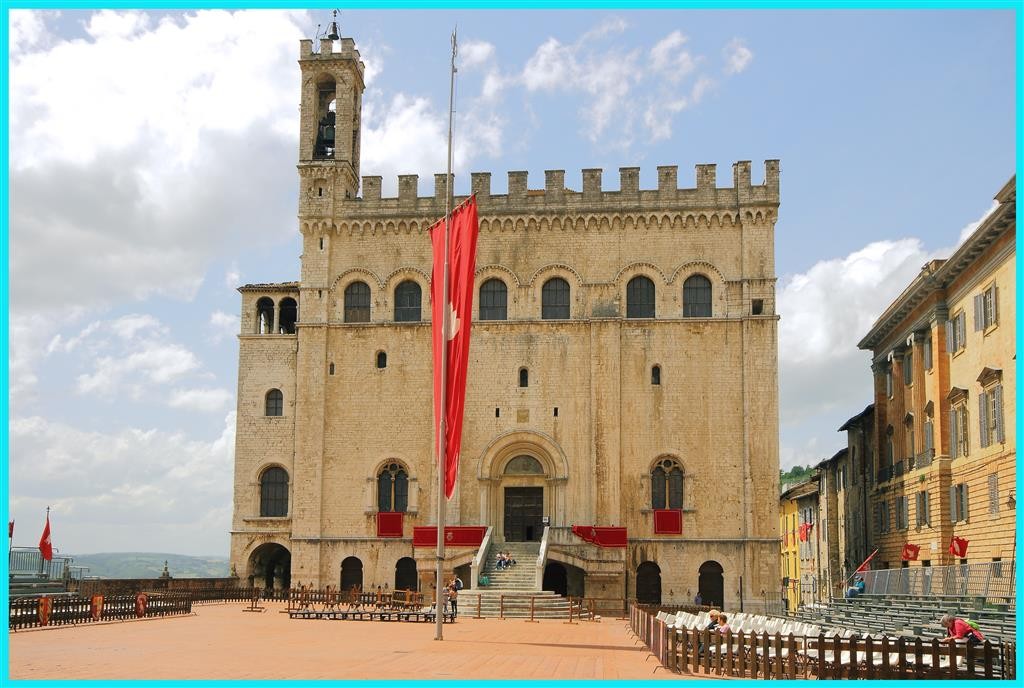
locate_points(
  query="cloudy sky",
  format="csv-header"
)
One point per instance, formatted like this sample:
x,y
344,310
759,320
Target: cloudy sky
x,y
152,172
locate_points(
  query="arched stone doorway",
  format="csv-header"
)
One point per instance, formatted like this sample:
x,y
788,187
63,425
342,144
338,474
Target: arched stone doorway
x,y
648,583
556,579
270,567
405,574
523,477
522,487
351,573
711,584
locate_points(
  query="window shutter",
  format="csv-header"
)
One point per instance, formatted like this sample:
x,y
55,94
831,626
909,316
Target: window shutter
x,y
954,445
962,330
979,312
983,418
928,351
995,305
952,504
929,435
888,382
927,509
993,494
998,411
965,510
949,336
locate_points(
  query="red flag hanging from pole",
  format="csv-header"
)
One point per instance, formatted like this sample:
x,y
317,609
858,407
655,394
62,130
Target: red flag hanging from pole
x,y
910,552
958,547
45,546
459,310
864,567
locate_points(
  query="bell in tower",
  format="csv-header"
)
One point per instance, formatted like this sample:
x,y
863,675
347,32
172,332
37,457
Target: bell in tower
x,y
332,89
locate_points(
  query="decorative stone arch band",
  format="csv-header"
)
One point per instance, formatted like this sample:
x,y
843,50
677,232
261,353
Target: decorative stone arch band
x,y
502,449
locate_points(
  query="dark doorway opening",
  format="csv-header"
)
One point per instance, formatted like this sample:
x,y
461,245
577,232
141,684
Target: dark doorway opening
x,y
556,579
711,584
271,566
524,514
648,583
351,573
405,574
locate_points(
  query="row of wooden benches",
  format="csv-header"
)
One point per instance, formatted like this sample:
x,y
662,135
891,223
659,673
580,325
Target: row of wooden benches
x,y
366,615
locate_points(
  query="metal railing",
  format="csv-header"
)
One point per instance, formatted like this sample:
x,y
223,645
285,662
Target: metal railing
x,y
988,580
924,459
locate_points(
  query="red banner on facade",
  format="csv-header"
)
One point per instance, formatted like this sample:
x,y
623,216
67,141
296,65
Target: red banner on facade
x,y
454,536
602,536
389,523
910,552
459,311
668,521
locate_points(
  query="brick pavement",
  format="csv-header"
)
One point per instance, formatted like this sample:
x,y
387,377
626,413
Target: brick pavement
x,y
221,642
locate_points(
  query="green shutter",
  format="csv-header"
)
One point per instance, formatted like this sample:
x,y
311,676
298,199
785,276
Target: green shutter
x,y
983,418
998,412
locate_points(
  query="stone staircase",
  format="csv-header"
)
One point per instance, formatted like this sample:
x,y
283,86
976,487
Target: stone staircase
x,y
510,590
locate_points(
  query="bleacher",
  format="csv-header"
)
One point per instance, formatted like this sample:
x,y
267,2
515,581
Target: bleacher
x,y
912,615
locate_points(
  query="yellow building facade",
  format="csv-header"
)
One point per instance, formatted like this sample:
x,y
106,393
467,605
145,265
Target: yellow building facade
x,y
944,362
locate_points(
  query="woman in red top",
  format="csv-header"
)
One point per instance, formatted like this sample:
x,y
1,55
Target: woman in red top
x,y
958,628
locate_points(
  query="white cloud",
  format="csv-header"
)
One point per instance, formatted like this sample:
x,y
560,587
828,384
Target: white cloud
x,y
109,489
205,400
737,56
26,28
232,277
669,59
551,66
224,325
154,364
148,131
474,53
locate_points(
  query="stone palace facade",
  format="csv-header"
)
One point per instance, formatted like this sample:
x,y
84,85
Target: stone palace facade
x,y
623,363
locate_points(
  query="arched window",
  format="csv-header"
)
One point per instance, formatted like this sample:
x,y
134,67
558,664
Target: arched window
x,y
357,303
265,316
274,403
493,300
393,488
382,359
667,485
524,465
408,296
289,315
274,492
697,297
656,375
524,377
640,298
554,297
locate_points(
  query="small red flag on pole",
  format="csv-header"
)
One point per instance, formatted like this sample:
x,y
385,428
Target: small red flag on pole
x,y
910,552
864,567
958,547
45,546
459,311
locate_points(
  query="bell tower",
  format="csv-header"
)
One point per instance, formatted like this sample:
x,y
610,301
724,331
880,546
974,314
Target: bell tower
x,y
332,95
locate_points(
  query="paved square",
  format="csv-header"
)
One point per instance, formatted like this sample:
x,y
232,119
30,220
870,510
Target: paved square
x,y
220,641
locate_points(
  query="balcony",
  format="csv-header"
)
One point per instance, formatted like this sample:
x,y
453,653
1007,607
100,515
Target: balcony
x,y
884,474
897,469
924,459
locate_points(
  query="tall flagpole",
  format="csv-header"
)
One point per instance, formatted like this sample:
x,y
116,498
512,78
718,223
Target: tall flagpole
x,y
445,325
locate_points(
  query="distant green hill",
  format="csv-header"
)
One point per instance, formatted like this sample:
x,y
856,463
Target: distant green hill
x,y
151,565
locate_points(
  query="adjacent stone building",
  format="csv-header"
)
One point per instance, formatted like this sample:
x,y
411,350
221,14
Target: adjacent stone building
x,y
944,362
623,360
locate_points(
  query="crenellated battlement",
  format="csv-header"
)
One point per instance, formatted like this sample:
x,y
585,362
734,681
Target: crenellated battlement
x,y
346,49
555,195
